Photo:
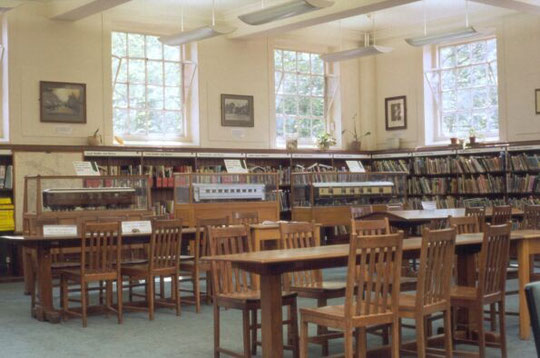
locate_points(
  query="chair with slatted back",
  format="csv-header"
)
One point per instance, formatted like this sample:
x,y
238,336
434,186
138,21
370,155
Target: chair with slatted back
x,y
374,263
433,289
163,261
464,224
237,289
370,227
309,284
479,212
101,247
489,288
501,214
195,266
245,218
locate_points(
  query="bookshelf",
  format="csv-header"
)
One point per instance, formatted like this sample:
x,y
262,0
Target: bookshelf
x,y
8,253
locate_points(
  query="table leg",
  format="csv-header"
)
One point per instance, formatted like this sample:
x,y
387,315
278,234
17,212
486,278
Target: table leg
x,y
466,276
44,310
523,251
271,316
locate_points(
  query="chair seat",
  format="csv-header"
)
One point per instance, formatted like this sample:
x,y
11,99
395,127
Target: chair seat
x,y
323,286
463,293
338,312
142,270
75,274
65,265
249,296
189,265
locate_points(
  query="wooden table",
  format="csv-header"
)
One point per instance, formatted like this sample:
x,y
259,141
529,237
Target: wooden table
x,y
272,264
44,309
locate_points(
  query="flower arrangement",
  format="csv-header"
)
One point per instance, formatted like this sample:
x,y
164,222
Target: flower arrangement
x,y
325,141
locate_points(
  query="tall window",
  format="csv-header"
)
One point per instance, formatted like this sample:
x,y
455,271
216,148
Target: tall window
x,y
465,85
299,96
148,89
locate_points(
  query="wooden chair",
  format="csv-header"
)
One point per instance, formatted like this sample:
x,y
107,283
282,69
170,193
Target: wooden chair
x,y
163,261
195,266
245,218
237,289
480,213
464,224
101,248
489,288
370,227
433,289
532,293
374,263
309,284
501,215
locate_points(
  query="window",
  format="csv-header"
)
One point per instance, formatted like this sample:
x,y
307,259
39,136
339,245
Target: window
x,y
299,96
465,88
148,91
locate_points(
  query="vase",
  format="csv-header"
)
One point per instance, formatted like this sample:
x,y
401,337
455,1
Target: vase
x,y
94,140
472,140
324,146
355,146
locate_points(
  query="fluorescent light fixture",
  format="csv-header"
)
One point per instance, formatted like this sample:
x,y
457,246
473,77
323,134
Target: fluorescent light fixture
x,y
462,33
198,34
355,52
283,11
88,9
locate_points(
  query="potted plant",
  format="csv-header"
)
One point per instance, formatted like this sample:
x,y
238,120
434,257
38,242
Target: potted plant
x,y
325,141
472,136
356,143
454,141
95,139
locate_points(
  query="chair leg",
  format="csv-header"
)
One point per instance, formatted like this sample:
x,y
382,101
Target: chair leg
x,y
420,337
216,331
493,317
175,293
361,342
119,298
197,288
480,330
349,349
396,338
150,283
161,287
321,302
502,327
246,333
100,285
303,339
84,303
130,290
209,290
64,293
294,328
448,343
254,322
108,296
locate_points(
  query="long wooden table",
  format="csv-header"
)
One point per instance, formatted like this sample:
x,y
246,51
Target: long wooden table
x,y
270,265
425,216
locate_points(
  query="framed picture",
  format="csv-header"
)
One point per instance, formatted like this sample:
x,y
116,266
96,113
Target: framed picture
x,y
237,111
396,113
62,102
537,96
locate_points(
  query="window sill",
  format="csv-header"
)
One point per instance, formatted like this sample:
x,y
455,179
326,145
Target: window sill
x,y
155,143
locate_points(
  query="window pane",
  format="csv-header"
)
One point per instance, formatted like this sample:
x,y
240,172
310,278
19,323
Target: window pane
x,y
447,57
172,98
303,62
172,74
479,75
137,122
155,72
304,85
120,96
137,98
449,101
491,50
136,45
463,55
173,123
304,128
155,97
171,53
478,52
119,44
289,83
120,123
463,77
464,100
290,105
317,128
317,65
278,62
480,98
122,71
317,107
303,106
289,61
154,49
136,71
448,80
290,126
155,122
317,84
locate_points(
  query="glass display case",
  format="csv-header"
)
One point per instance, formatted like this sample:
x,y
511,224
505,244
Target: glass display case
x,y
221,194
66,198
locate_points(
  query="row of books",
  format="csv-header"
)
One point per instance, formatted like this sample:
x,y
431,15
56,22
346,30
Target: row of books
x,y
284,200
6,176
525,162
7,223
520,203
450,202
523,184
163,207
399,165
427,186
483,184
439,165
465,165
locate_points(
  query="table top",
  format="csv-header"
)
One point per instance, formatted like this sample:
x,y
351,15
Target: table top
x,y
279,261
437,214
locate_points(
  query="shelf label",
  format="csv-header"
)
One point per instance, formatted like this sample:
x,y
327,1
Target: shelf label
x,y
524,147
268,155
220,155
312,156
60,230
86,168
106,153
137,227
390,155
434,153
352,156
169,154
5,152
480,150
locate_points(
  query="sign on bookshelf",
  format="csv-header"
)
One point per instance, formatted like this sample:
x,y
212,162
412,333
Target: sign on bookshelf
x,y
480,150
220,155
352,156
434,153
169,154
107,153
391,155
524,148
268,155
86,168
5,152
312,155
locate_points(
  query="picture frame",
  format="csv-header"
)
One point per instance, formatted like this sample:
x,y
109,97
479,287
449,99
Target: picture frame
x,y
537,100
237,111
62,102
395,113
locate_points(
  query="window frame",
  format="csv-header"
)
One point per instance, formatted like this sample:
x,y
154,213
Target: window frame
x,y
326,118
183,138
437,115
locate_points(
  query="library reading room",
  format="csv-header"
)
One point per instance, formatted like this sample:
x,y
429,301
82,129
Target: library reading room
x,y
269,178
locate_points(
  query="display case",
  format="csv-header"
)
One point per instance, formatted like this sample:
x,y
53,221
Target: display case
x,y
67,199
327,197
207,195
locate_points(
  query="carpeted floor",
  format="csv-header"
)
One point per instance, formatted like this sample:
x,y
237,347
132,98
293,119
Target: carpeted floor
x,y
190,335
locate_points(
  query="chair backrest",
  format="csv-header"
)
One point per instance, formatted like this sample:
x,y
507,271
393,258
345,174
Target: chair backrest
x,y
479,212
374,267
101,247
435,271
429,205
501,215
165,244
224,241
464,224
300,235
245,218
110,219
532,292
493,259
370,227
531,217
201,235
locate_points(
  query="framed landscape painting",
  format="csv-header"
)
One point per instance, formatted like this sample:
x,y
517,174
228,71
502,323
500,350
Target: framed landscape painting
x,y
237,111
396,113
62,102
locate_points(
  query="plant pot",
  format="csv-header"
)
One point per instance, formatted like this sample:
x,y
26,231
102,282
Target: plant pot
x,y
355,146
472,140
323,146
291,143
94,140
453,141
